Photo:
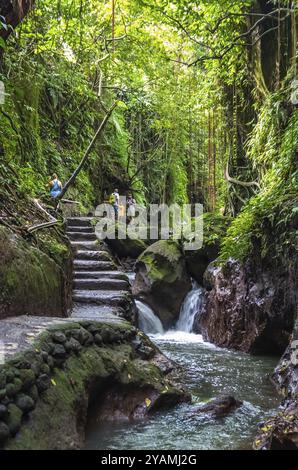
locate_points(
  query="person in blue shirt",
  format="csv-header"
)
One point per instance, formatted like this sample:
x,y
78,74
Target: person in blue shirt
x,y
56,186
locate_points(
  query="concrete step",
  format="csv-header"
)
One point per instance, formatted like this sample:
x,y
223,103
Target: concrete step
x,y
101,284
89,245
97,312
93,255
87,265
104,297
100,275
81,236
81,229
79,221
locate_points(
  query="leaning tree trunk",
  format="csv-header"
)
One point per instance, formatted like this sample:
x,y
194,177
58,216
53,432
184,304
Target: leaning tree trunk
x,y
97,134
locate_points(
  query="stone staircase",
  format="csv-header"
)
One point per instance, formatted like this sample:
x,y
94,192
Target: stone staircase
x,y
98,286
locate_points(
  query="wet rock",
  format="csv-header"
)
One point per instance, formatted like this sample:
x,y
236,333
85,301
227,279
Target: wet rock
x,y
145,352
25,403
219,407
14,419
162,280
281,431
248,307
127,403
4,431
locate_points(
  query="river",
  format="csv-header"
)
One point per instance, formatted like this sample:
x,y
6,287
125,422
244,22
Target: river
x,y
208,372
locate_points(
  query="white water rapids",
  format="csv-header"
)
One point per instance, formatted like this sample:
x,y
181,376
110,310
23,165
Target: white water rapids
x,y
191,307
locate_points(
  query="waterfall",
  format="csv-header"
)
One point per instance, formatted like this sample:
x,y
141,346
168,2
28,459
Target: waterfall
x,y
148,321
189,309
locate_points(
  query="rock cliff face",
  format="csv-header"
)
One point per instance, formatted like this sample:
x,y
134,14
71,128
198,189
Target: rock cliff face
x,y
281,432
162,280
31,280
253,307
250,307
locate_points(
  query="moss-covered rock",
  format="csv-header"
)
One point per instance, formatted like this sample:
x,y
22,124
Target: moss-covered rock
x,y
214,230
124,246
110,380
31,282
162,280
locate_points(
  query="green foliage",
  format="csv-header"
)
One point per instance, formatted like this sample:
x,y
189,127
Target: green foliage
x,y
267,222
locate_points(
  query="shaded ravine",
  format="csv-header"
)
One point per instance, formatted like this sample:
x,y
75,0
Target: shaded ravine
x,y
208,372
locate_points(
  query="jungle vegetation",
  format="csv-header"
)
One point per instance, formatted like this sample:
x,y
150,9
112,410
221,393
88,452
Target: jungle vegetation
x,y
205,106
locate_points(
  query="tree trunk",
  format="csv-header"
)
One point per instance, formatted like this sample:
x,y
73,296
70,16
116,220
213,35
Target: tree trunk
x,y
88,151
14,11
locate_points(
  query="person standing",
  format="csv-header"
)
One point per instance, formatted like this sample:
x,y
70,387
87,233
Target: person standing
x,y
114,200
55,186
130,203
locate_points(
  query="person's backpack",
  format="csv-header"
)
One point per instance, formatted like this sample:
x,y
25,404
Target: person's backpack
x,y
112,199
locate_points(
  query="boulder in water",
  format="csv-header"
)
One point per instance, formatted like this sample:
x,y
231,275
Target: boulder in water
x,y
219,407
162,280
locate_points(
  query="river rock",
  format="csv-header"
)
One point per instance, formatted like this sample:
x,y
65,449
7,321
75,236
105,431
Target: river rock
x,y
219,407
248,307
162,280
